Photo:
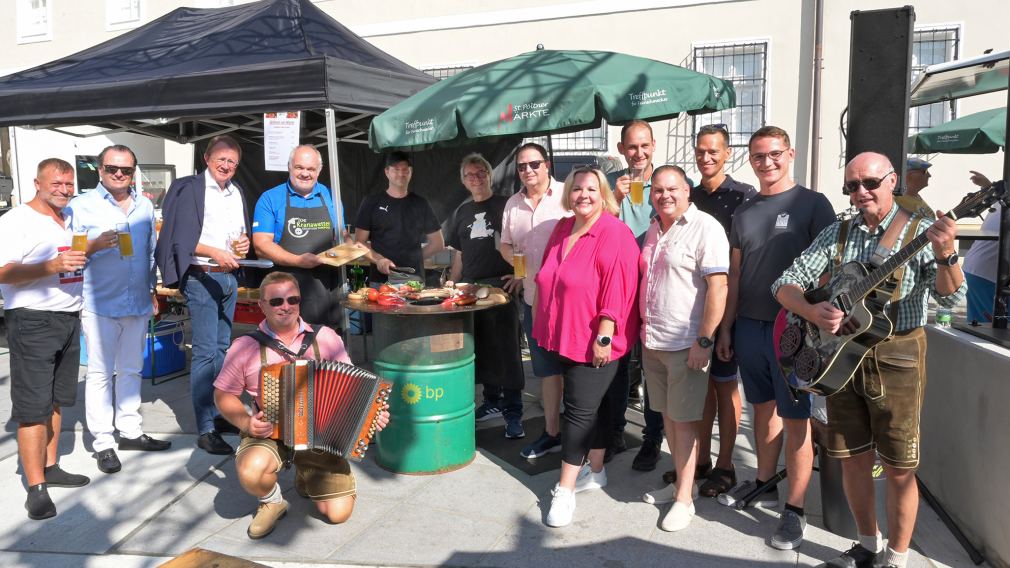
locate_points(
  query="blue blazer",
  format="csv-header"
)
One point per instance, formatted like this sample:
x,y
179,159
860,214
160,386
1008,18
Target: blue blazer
x,y
182,216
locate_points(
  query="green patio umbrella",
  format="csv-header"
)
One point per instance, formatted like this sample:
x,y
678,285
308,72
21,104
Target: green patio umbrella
x,y
978,133
543,92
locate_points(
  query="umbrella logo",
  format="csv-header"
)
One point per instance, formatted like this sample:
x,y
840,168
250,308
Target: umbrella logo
x,y
419,126
648,97
524,111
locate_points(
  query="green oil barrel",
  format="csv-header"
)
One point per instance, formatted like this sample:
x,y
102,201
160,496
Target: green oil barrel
x,y
429,359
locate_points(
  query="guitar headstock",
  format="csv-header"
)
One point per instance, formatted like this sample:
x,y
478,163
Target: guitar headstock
x,y
975,203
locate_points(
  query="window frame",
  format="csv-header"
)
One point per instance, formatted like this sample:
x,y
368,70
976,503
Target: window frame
x,y
948,109
738,137
23,37
111,6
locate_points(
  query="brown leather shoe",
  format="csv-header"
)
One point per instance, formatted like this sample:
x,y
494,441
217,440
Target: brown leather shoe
x,y
266,518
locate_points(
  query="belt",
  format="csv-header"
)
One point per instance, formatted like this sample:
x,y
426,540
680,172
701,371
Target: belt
x,y
205,268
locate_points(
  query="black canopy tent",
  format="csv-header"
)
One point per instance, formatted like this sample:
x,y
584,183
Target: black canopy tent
x,y
194,73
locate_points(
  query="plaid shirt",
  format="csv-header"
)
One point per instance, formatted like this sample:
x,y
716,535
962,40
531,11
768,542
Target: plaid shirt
x,y
920,272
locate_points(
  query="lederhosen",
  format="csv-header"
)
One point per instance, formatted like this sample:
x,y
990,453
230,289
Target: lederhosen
x,y
320,304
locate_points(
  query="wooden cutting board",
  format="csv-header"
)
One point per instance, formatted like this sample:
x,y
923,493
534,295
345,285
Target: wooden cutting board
x,y
341,255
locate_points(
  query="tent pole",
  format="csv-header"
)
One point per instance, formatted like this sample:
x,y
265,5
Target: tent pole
x,y
550,152
331,152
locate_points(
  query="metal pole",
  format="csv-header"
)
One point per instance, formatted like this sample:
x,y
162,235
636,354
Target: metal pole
x,y
331,153
815,133
999,309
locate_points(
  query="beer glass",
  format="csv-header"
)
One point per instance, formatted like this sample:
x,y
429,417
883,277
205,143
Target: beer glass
x,y
80,241
518,263
124,240
637,190
233,238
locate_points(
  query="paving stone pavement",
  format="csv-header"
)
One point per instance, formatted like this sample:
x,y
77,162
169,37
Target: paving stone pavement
x,y
487,514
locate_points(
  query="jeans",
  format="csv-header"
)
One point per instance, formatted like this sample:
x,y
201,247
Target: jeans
x,y
509,400
210,297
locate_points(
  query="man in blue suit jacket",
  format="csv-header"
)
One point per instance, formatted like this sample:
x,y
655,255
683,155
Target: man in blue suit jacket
x,y
204,228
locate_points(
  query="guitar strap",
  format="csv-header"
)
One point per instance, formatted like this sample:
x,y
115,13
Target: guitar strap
x,y
890,240
843,235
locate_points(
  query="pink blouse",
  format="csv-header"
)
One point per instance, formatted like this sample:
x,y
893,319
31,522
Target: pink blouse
x,y
598,278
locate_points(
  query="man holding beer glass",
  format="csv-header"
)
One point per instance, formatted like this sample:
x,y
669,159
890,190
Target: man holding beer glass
x,y
119,299
41,278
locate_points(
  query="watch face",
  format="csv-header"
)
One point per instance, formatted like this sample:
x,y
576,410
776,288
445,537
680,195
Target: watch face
x,y
705,342
603,340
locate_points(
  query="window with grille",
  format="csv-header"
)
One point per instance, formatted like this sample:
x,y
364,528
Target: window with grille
x,y
929,47
34,20
746,65
122,14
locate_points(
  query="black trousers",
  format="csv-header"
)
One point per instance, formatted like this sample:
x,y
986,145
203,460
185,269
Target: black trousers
x,y
587,421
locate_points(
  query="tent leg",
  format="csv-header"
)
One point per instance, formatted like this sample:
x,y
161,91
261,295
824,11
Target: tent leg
x,y
550,152
331,152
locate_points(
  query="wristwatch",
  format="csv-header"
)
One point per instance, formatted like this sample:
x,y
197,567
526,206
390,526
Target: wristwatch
x,y
705,342
603,340
949,261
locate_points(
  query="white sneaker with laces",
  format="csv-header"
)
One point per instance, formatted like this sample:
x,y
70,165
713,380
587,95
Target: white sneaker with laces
x,y
562,507
589,479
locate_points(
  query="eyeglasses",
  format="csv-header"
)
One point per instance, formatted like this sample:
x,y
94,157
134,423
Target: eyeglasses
x,y
534,165
111,170
225,162
476,175
870,184
775,156
278,302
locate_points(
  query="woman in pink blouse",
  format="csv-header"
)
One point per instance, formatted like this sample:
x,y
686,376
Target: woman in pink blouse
x,y
586,317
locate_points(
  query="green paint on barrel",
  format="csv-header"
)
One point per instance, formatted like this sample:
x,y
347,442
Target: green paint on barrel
x,y
429,359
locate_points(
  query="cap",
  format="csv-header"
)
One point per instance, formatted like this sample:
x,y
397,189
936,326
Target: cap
x,y
394,158
917,164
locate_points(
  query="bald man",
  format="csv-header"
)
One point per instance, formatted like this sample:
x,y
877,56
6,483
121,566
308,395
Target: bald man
x,y
870,417
292,223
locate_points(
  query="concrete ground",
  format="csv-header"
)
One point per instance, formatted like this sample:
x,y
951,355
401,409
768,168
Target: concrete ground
x,y
486,514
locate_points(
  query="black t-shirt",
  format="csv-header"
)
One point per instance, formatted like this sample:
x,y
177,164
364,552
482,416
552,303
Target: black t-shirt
x,y
722,202
475,230
396,227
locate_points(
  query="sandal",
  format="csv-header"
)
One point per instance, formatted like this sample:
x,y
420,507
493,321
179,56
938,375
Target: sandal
x,y
701,471
719,481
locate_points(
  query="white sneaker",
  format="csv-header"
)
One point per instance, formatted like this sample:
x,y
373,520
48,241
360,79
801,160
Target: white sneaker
x,y
667,494
589,479
562,507
678,517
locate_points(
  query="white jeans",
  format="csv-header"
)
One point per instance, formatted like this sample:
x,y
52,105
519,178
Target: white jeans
x,y
115,349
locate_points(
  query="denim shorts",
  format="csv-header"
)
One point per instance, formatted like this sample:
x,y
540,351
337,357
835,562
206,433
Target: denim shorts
x,y
760,373
545,364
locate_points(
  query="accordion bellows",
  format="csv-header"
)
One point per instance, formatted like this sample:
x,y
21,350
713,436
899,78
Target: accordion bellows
x,y
327,405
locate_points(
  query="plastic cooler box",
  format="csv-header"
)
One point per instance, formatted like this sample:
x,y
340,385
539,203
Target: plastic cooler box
x,y
168,355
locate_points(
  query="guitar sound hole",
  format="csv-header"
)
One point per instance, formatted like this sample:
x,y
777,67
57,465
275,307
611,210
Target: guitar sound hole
x,y
808,364
791,341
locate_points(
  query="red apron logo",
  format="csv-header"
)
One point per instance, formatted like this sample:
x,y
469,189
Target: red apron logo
x,y
524,111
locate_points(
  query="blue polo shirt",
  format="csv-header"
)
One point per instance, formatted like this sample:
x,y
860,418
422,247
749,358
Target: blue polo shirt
x,y
270,209
636,217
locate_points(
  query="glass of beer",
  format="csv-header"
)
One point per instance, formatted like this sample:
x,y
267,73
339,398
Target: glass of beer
x,y
518,263
80,241
637,190
124,240
233,239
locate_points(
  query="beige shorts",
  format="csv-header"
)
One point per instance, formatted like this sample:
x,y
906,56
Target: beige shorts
x,y
674,389
318,475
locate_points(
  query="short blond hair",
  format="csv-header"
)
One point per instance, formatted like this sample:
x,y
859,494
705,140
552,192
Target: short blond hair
x,y
606,194
277,278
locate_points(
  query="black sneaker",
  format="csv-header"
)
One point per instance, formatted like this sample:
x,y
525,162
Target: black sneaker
x,y
544,445
855,557
647,457
514,428
487,411
213,443
56,477
108,461
38,504
789,534
617,445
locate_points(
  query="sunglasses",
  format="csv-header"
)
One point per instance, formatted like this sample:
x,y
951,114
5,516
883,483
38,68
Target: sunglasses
x,y
278,302
534,165
111,170
869,183
774,155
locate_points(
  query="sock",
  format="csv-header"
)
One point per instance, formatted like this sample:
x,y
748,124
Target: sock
x,y
873,543
274,496
760,482
793,508
893,558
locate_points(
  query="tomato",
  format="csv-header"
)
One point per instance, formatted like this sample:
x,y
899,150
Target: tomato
x,y
404,289
390,300
373,295
448,303
387,289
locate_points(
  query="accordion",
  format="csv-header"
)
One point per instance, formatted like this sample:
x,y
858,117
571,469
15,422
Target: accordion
x,y
326,405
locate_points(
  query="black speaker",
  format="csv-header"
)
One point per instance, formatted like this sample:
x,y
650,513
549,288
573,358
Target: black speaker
x,y
880,63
